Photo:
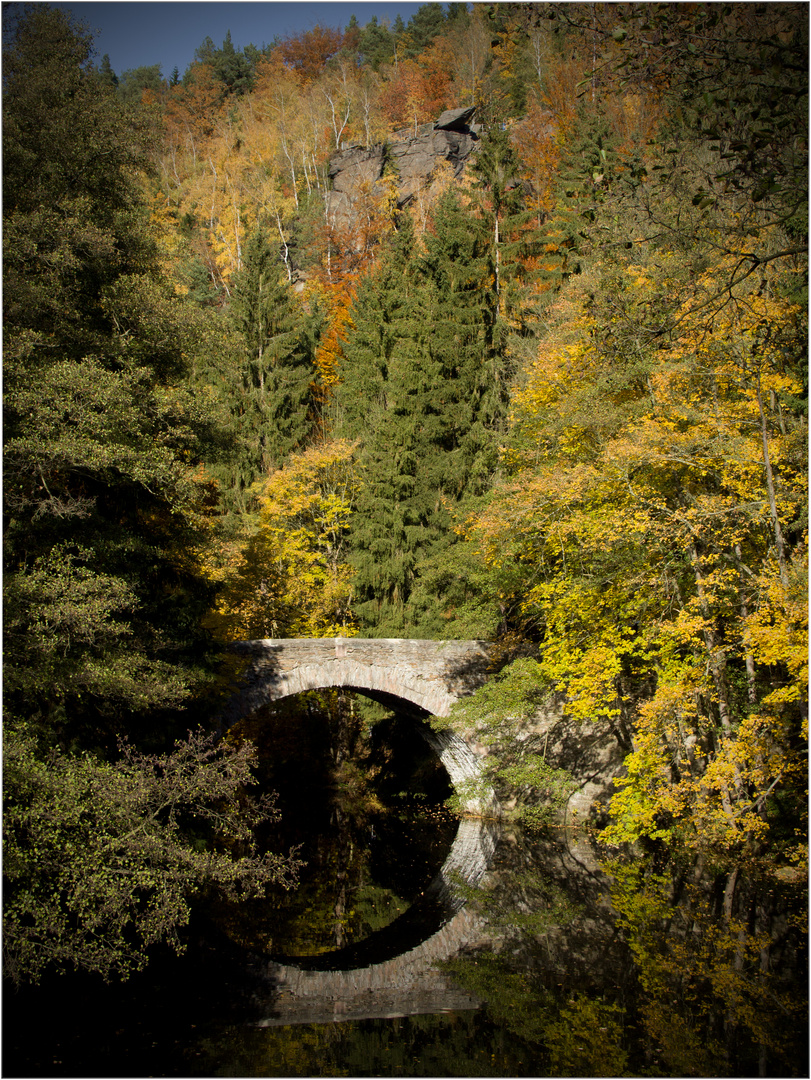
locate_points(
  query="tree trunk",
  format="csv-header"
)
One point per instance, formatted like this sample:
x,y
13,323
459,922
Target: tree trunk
x,y
767,464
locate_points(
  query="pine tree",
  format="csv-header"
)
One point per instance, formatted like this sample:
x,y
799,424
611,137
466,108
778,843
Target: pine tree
x,y
278,365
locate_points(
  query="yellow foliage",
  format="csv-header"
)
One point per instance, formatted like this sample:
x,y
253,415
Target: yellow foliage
x,y
638,520
289,579
777,630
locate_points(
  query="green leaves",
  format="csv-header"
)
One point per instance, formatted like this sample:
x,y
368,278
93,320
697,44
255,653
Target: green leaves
x,y
101,860
70,635
103,440
71,202
501,713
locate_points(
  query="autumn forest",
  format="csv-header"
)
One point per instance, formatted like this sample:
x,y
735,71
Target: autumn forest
x,y
554,398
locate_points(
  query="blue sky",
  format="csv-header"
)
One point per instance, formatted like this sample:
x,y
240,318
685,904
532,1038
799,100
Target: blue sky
x,y
141,34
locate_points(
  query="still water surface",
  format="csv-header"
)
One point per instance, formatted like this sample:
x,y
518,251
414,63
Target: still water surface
x,y
372,903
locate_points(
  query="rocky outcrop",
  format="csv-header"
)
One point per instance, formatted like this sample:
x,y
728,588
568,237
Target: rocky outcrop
x,y
411,159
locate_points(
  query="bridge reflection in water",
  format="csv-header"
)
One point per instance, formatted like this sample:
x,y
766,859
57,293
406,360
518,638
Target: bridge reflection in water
x,y
394,971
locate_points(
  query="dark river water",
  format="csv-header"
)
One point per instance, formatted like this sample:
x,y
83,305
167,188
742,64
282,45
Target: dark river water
x,y
387,960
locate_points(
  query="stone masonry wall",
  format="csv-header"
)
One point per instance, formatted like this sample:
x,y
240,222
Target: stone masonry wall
x,y
429,674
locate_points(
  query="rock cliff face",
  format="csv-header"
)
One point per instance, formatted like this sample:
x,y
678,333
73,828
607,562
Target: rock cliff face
x,y
412,157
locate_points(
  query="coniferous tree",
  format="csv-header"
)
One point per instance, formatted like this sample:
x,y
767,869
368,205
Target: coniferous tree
x,y
462,328
278,369
106,74
496,171
375,402
586,175
457,294
379,315
427,22
376,44
233,68
424,389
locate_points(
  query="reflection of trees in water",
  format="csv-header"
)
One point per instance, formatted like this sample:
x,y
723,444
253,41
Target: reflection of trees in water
x,y
367,854
560,975
444,1044
547,896
555,972
343,845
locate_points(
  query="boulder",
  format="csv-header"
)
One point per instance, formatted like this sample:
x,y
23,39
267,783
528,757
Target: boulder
x,y
353,166
455,119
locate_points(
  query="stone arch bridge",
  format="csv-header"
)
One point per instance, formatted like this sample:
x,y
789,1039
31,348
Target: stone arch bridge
x,y
426,677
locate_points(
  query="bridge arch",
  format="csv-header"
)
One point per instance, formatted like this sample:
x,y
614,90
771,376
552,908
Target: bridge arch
x,y
428,675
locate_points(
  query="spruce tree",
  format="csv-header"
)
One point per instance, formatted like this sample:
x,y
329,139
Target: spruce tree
x,y
382,391
380,315
457,287
424,390
462,329
427,22
278,366
496,171
588,172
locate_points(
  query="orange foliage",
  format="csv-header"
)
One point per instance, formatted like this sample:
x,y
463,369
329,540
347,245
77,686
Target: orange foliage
x,y
308,52
420,89
192,110
330,350
349,247
272,74
560,89
538,150
634,118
